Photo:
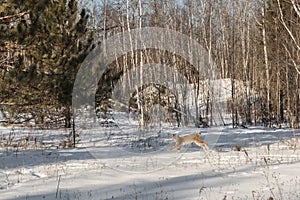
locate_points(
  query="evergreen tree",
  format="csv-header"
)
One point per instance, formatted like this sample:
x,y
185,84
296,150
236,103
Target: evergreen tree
x,y
53,42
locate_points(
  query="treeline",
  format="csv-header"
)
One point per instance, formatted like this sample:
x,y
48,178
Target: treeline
x,y
254,44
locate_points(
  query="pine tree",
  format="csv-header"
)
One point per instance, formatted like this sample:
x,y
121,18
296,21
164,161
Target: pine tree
x,y
53,42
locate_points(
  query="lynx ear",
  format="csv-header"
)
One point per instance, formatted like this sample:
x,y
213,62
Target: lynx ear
x,y
174,135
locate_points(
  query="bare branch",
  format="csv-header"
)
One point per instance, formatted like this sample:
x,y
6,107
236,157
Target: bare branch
x,y
285,26
14,16
296,8
294,62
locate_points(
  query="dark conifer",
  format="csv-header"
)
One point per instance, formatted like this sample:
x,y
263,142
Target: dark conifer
x,y
50,42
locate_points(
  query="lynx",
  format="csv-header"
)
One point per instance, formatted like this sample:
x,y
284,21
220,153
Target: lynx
x,y
187,139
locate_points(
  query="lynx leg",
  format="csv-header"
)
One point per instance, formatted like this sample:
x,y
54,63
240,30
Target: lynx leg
x,y
202,144
176,146
172,147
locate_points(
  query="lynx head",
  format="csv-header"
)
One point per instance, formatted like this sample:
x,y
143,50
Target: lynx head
x,y
174,137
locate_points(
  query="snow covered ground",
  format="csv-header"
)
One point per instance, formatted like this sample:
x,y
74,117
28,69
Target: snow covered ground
x,y
253,163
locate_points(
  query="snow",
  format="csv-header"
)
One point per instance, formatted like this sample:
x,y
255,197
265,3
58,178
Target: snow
x,y
252,163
